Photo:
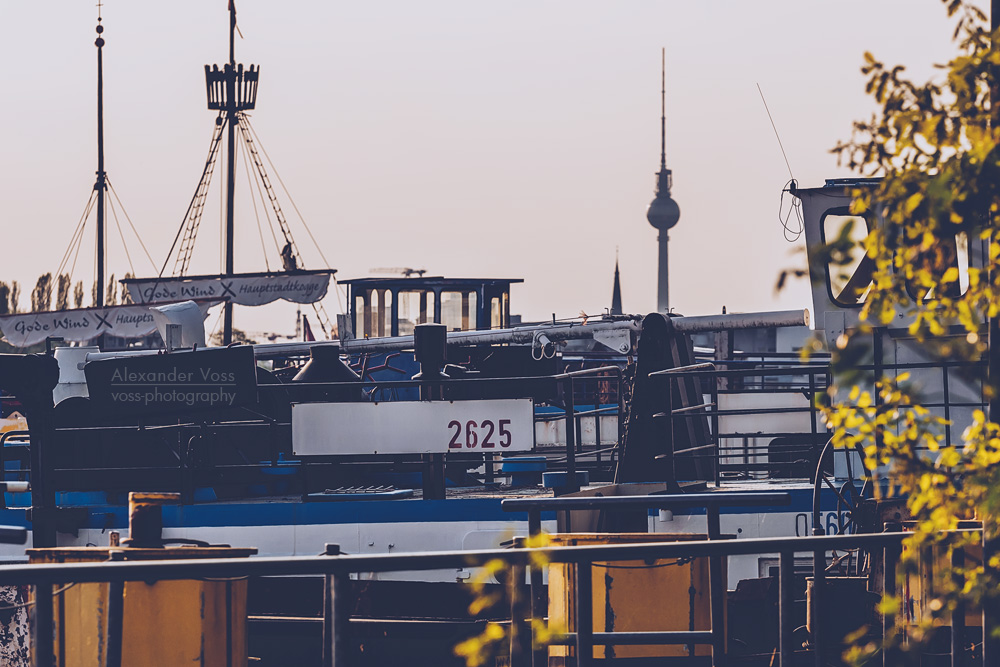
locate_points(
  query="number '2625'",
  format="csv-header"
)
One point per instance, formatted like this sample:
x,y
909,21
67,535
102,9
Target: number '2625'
x,y
479,435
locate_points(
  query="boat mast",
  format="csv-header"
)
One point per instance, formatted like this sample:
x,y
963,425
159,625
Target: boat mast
x,y
101,185
232,120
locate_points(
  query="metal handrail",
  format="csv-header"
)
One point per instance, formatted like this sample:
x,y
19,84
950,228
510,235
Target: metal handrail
x,y
338,568
684,369
22,574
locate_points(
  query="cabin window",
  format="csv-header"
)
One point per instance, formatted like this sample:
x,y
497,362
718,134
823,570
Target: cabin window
x,y
496,313
849,270
458,310
363,314
383,316
415,307
945,255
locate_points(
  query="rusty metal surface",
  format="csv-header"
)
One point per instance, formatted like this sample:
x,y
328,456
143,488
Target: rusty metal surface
x,y
100,554
14,634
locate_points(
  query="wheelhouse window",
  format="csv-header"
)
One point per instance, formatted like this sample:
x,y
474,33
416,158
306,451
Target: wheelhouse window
x,y
946,254
458,310
415,307
849,269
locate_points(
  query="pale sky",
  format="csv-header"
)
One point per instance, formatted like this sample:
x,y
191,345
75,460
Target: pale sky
x,y
471,139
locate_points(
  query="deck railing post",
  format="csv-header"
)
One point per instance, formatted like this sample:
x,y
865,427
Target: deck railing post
x,y
715,432
520,633
891,555
817,602
786,607
489,474
584,614
115,617
539,603
42,630
571,482
336,615
991,604
340,591
717,590
958,613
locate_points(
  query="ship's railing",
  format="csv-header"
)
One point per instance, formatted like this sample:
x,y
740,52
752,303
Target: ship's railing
x,y
560,390
764,419
337,570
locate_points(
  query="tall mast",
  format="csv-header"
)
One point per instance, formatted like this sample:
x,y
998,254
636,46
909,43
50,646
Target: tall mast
x,y
232,120
231,90
101,185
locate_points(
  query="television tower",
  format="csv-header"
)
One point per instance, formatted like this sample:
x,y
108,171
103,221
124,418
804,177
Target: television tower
x,y
663,212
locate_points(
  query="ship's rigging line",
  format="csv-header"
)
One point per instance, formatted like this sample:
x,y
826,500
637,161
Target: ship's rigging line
x,y
76,240
78,235
792,234
250,146
128,255
258,188
188,231
129,220
256,215
197,203
215,327
319,249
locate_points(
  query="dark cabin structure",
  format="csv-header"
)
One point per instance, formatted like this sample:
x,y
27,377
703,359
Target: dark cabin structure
x,y
393,306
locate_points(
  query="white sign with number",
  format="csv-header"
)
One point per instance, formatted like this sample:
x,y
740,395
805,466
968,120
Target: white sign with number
x,y
413,427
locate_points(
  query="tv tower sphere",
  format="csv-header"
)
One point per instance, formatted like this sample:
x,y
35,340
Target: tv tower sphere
x,y
663,212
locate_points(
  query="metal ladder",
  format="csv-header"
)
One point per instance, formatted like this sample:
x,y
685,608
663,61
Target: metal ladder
x,y
197,206
286,232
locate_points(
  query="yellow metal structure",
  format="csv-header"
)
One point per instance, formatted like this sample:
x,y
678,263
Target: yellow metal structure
x,y
921,588
633,596
164,624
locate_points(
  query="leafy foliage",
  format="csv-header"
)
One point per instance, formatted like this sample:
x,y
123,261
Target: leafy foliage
x,y
495,639
111,296
62,291
936,147
4,298
41,296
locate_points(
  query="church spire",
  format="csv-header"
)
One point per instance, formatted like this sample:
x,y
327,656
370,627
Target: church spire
x,y
616,292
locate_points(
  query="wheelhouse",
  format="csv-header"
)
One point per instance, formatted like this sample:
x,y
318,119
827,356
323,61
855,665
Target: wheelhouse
x,y
393,306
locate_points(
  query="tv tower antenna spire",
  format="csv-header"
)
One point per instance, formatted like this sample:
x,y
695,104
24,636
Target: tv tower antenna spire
x,y
663,212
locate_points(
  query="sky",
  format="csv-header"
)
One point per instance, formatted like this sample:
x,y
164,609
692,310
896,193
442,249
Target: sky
x,y
471,139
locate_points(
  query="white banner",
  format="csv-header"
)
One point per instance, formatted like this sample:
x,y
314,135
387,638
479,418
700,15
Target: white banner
x,y
413,427
82,324
242,290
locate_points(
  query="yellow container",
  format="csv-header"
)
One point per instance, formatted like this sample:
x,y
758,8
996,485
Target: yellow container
x,y
164,624
633,596
921,588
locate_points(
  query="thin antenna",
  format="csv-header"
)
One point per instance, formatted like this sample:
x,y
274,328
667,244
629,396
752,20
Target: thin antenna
x,y
790,175
663,108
